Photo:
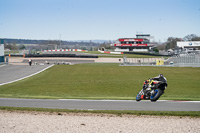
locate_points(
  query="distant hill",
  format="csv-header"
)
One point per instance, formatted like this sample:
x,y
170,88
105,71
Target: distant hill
x,y
42,42
14,44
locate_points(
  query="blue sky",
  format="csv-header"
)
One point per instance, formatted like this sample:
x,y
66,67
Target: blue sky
x,y
98,19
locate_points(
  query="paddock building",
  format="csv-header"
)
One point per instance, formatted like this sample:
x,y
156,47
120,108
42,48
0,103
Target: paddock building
x,y
139,44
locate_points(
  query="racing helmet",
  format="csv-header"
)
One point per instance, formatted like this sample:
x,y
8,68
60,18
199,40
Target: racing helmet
x,y
160,75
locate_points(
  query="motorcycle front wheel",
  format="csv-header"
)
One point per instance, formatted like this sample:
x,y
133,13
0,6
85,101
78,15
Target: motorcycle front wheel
x,y
157,93
138,97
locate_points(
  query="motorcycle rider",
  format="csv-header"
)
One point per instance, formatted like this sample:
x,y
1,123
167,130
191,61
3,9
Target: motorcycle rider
x,y
160,77
30,62
147,85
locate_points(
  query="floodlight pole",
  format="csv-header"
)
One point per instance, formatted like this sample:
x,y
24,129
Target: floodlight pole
x,y
60,41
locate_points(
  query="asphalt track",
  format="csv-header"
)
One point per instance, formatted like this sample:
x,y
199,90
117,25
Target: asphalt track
x,y
102,104
12,73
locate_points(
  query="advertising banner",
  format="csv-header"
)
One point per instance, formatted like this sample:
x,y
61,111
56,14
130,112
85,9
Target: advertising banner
x,y
1,51
189,44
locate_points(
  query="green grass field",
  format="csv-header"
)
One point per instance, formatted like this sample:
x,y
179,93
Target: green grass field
x,y
104,81
12,52
106,55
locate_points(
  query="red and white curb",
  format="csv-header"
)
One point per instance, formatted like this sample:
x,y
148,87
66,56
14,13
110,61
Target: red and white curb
x,y
59,50
108,52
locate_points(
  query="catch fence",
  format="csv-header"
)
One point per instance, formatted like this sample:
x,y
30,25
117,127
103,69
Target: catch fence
x,y
142,61
182,60
191,60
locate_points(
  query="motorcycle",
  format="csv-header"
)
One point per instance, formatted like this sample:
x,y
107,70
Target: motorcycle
x,y
152,90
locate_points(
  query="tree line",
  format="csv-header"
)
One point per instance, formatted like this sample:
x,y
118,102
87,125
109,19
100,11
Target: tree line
x,y
172,41
20,44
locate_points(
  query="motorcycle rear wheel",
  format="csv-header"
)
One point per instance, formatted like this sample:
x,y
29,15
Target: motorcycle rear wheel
x,y
156,95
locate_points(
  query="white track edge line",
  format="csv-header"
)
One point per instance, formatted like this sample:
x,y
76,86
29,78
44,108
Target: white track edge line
x,y
125,100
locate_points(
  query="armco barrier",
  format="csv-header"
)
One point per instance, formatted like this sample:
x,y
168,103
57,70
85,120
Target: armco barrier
x,y
14,55
60,55
53,55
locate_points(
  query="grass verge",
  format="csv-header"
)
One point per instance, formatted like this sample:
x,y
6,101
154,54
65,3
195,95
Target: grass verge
x,y
114,112
106,55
